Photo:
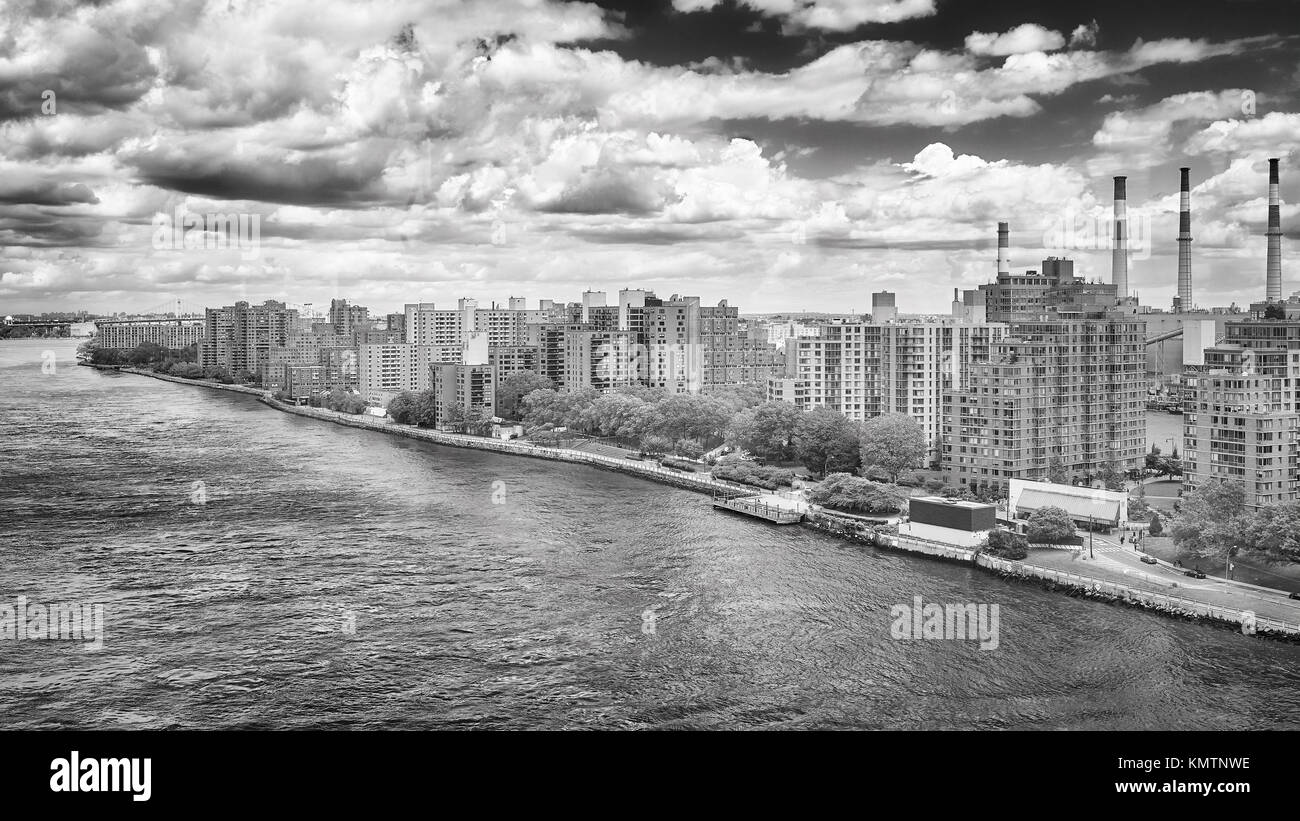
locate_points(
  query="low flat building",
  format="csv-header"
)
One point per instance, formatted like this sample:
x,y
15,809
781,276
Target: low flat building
x,y
949,521
1086,505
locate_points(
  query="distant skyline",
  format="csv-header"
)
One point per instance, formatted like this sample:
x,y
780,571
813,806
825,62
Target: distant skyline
x,y
783,156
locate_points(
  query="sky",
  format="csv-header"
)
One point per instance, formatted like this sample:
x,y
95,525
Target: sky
x,y
783,155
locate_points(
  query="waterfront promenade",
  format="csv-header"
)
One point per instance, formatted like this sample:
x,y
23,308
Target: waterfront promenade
x,y
1113,575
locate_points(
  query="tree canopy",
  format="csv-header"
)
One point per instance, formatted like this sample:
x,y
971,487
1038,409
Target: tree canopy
x,y
1211,520
892,443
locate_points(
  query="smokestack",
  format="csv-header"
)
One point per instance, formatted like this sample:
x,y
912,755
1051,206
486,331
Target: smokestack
x,y
1004,248
1119,252
1274,279
1185,243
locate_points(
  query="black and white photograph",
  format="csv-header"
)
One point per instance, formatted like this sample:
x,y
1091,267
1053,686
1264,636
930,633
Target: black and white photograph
x,y
383,368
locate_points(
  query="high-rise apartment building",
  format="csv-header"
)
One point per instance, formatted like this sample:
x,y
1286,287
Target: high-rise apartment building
x,y
1241,418
1240,422
240,337
864,370
733,353
1057,399
344,316
602,360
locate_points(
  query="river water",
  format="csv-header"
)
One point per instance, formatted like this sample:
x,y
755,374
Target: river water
x,y
326,577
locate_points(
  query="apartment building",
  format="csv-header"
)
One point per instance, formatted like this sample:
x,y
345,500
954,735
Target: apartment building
x,y
733,353
1055,398
125,334
470,382
425,324
864,370
779,334
344,316
1241,423
602,360
510,359
240,337
384,371
674,357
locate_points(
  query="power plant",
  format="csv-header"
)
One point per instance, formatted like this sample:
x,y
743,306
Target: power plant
x,y
1004,248
1273,292
1119,252
1184,302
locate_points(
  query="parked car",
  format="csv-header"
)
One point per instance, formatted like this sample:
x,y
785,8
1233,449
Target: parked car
x,y
1195,574
1294,596
1149,560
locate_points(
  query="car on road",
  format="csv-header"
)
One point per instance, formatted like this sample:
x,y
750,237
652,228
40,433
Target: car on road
x,y
1149,560
1195,574
1294,596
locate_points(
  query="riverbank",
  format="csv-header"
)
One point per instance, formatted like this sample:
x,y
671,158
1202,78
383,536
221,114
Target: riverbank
x,y
1105,586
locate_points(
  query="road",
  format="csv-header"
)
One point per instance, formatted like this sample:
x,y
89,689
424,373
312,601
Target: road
x,y
1122,563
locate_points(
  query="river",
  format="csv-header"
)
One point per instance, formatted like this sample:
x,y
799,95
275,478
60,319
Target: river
x,y
327,577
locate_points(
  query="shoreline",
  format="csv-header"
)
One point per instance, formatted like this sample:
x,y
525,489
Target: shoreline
x,y
848,529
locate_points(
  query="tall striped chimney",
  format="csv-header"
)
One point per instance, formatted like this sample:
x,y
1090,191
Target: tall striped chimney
x,y
1119,252
1274,280
1185,242
1004,248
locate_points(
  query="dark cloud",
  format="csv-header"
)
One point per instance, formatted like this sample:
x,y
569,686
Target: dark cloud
x,y
45,192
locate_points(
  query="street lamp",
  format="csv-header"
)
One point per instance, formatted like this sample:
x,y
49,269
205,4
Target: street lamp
x,y
1090,556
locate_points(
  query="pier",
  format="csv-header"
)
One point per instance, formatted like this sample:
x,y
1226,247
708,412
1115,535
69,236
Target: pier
x,y
774,509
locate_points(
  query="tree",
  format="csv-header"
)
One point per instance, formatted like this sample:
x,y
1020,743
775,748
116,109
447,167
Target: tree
x,y
892,443
1056,472
344,401
1274,532
512,390
476,420
610,414
853,494
1156,527
1210,521
690,448
1111,475
186,370
826,441
1274,311
1050,524
687,416
146,353
656,444
424,413
1007,545
401,408
741,396
1138,509
766,430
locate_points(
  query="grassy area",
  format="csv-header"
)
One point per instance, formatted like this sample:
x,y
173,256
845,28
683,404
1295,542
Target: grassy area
x,y
1245,568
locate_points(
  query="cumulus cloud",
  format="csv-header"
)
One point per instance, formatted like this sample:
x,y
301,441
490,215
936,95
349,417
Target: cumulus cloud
x,y
1277,132
400,150
1143,136
1019,40
829,15
1085,34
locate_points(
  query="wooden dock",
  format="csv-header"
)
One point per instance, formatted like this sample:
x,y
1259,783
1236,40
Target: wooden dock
x,y
754,506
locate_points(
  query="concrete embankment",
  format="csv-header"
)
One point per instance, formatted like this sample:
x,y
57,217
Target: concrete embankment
x,y
849,528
